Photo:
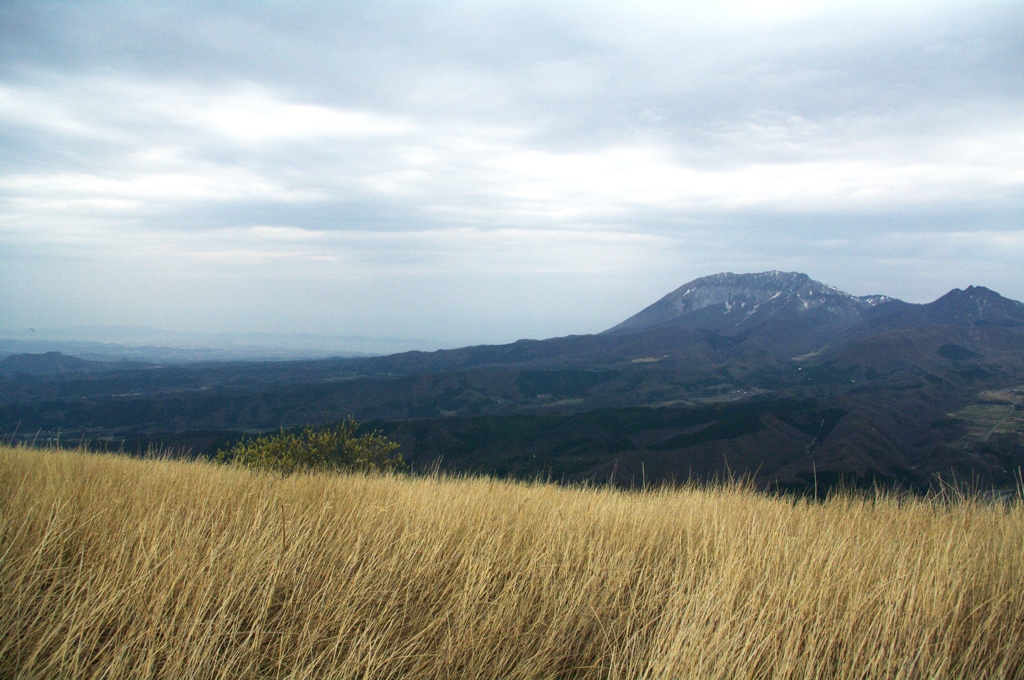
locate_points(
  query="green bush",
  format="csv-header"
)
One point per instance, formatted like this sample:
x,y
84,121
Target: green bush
x,y
314,450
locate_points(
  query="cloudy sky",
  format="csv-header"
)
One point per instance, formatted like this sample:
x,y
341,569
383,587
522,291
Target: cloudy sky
x,y
472,172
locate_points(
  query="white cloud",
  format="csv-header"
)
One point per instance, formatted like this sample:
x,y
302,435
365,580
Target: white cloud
x,y
262,117
138,189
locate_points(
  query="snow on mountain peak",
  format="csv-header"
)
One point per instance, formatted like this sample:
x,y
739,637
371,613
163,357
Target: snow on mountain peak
x,y
762,296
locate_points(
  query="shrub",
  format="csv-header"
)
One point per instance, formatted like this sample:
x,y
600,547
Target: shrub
x,y
313,450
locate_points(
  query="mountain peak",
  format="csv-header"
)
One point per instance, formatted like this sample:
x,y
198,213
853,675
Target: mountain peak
x,y
50,363
729,303
976,306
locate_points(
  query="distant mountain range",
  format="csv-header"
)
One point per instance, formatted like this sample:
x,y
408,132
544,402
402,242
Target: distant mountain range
x,y
735,304
771,314
770,372
49,363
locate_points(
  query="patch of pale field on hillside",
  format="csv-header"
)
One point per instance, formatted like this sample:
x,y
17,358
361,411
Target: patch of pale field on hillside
x,y
993,413
114,567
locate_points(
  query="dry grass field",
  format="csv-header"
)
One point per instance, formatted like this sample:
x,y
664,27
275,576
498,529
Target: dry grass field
x,y
112,567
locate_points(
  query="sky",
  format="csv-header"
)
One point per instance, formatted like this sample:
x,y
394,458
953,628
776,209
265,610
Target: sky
x,y
477,172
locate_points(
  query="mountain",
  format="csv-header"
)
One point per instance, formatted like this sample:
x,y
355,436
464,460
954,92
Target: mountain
x,y
786,312
50,363
976,306
732,304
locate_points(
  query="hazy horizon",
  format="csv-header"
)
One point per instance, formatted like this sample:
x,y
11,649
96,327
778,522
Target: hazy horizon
x,y
468,173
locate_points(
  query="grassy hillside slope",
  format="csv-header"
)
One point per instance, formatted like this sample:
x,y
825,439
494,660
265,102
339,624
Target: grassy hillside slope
x,y
114,567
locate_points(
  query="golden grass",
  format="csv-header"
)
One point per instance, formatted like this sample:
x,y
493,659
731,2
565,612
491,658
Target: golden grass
x,y
112,567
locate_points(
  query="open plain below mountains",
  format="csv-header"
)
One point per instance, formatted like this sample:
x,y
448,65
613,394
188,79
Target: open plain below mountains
x,y
772,374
